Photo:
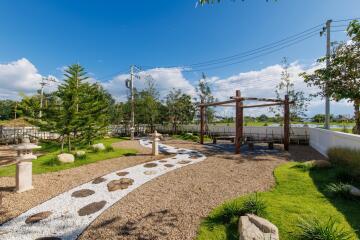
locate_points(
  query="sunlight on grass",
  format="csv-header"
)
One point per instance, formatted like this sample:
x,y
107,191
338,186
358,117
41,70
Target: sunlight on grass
x,y
298,195
49,163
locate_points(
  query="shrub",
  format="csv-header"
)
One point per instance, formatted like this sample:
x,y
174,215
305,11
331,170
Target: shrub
x,y
313,229
339,189
80,157
255,205
95,150
109,148
344,176
52,162
346,158
234,209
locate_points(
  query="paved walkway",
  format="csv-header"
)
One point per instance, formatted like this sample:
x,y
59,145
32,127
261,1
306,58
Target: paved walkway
x,y
67,215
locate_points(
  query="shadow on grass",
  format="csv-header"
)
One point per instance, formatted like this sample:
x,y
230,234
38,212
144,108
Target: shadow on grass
x,y
348,207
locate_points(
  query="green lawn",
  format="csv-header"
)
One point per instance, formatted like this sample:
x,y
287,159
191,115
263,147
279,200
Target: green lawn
x,y
48,163
298,194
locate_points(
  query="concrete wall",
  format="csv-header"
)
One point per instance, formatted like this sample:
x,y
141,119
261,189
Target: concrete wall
x,y
322,140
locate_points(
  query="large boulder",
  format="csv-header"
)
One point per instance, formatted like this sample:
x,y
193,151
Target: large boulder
x,y
66,158
252,227
98,146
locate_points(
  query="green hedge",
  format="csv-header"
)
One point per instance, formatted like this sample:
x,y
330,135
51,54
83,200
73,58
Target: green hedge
x,y
346,158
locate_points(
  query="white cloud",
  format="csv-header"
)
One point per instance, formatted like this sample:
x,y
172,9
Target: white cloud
x,y
19,76
262,83
165,80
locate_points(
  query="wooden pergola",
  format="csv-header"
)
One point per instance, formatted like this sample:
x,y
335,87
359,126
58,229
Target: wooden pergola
x,y
239,121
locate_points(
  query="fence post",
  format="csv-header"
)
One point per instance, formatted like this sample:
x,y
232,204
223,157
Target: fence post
x,y
239,122
202,113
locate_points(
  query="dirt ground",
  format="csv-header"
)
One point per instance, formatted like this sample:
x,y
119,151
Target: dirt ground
x,y
168,207
172,206
49,185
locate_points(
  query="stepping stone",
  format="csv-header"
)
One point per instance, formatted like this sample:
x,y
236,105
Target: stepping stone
x,y
98,180
121,174
168,165
184,162
37,217
82,193
163,161
120,184
150,165
91,208
150,172
48,238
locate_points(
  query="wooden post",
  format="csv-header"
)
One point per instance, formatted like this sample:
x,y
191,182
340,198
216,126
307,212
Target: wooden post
x,y
202,125
239,123
286,123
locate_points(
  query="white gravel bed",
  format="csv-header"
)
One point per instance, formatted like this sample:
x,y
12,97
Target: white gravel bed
x,y
61,216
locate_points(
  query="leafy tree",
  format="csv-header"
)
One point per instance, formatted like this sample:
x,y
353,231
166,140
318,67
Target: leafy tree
x,y
93,111
286,87
7,109
205,96
342,79
263,118
180,108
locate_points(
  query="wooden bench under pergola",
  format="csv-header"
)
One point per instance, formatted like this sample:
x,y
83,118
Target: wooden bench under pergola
x,y
239,120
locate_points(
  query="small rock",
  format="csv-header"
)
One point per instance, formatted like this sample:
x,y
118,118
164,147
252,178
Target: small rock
x,y
168,165
82,193
38,217
80,153
150,165
120,184
98,180
121,174
184,162
252,227
48,238
355,191
98,146
163,161
66,158
91,208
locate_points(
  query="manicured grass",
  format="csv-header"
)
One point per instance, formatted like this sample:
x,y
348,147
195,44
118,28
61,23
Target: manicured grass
x,y
299,194
48,162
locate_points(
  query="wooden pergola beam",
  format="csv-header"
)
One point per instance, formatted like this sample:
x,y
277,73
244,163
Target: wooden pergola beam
x,y
263,105
216,103
258,99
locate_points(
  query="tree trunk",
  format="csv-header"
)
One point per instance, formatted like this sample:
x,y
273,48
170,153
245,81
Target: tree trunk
x,y
69,143
62,143
356,129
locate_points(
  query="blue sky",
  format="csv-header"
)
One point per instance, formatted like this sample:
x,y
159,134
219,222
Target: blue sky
x,y
108,36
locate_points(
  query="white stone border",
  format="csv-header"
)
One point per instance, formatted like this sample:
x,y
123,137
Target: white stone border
x,y
65,222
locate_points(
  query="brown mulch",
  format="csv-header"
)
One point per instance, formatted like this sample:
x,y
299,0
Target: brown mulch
x,y
52,184
172,206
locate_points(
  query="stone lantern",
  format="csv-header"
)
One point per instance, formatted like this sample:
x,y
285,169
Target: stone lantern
x,y
24,165
155,143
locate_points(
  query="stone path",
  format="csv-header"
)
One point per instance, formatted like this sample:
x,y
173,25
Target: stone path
x,y
67,215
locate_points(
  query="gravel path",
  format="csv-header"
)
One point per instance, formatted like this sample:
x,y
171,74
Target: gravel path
x,y
172,206
52,184
68,214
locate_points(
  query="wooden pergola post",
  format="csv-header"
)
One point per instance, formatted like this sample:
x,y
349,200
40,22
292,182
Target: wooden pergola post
x,y
202,124
239,122
286,123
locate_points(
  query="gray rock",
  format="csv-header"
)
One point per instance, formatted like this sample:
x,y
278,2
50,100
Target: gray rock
x,y
65,158
98,146
252,227
80,153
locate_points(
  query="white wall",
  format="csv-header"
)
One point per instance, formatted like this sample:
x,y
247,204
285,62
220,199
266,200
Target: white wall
x,y
322,140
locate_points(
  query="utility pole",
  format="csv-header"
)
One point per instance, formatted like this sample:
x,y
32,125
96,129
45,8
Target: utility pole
x,y
130,84
327,30
44,81
132,128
